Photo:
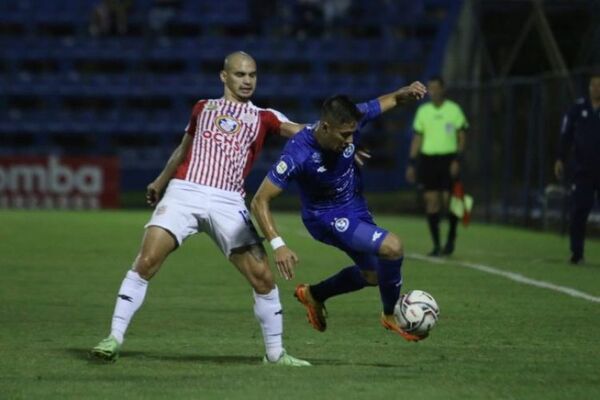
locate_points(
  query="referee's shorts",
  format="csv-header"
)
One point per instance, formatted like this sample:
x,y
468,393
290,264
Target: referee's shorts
x,y
434,172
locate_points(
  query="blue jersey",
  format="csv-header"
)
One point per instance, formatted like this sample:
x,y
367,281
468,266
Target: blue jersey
x,y
327,179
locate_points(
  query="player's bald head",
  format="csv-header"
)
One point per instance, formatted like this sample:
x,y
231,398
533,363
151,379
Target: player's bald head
x,y
235,59
239,76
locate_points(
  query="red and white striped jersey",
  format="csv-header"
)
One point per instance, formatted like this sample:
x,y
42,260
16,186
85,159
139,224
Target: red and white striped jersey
x,y
228,136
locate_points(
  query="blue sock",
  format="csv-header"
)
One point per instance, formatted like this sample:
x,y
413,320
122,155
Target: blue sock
x,y
347,280
389,277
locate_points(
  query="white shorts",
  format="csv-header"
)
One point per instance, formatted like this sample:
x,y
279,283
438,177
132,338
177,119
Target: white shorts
x,y
188,208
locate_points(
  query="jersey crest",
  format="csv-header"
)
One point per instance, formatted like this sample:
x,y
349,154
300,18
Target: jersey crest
x,y
228,124
349,150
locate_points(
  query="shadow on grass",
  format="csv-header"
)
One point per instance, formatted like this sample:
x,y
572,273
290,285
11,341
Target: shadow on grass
x,y
332,363
565,262
84,354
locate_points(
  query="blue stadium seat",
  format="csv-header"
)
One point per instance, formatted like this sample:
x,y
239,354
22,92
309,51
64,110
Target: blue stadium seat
x,y
101,86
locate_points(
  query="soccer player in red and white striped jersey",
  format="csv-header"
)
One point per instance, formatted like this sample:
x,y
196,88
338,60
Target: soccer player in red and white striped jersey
x,y
204,181
227,137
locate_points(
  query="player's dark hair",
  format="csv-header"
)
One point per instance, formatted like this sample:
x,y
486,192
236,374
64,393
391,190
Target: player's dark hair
x,y
339,109
438,79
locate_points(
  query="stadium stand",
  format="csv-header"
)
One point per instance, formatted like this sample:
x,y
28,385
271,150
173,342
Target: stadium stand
x,y
65,92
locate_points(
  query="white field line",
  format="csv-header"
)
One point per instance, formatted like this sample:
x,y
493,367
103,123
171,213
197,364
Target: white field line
x,y
510,275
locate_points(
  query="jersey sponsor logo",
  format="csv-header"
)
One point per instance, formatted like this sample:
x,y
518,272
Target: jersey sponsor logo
x,y
226,140
449,127
228,124
248,119
349,150
281,167
342,224
321,169
376,235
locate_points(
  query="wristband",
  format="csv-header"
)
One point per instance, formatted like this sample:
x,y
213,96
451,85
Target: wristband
x,y
277,243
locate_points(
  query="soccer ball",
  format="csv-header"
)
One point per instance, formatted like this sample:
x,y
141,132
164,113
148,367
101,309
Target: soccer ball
x,y
416,312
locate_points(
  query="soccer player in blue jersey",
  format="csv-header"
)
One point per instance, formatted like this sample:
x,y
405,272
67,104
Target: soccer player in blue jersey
x,y
320,159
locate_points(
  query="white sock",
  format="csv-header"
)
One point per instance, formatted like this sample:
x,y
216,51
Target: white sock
x,y
130,298
269,314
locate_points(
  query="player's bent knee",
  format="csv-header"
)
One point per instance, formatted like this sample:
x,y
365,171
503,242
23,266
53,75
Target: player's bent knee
x,y
391,248
370,277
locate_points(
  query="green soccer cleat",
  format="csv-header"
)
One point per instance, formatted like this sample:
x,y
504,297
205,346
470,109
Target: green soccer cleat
x,y
107,349
286,360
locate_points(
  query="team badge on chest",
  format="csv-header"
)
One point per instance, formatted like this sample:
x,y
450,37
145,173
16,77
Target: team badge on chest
x,y
228,124
349,150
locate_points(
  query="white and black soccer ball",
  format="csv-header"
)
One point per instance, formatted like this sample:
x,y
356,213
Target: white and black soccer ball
x,y
417,312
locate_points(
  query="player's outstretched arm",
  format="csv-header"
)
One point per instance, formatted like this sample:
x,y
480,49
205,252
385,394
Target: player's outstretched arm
x,y
155,188
285,259
407,94
289,129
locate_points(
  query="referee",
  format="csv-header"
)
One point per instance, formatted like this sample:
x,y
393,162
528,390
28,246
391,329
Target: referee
x,y
438,143
581,130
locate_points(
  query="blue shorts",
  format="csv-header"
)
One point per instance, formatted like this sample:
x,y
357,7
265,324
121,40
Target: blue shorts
x,y
352,230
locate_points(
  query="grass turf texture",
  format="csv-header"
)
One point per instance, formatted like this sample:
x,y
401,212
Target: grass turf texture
x,y
196,337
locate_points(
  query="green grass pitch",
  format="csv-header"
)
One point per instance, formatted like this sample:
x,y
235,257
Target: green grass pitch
x,y
196,337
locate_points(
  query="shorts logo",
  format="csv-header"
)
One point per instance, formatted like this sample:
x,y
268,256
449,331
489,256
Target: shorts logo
x,y
342,224
376,235
160,210
349,150
584,113
228,124
281,167
317,158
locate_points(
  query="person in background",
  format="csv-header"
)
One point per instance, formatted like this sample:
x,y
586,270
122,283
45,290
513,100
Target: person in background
x,y
580,130
437,145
